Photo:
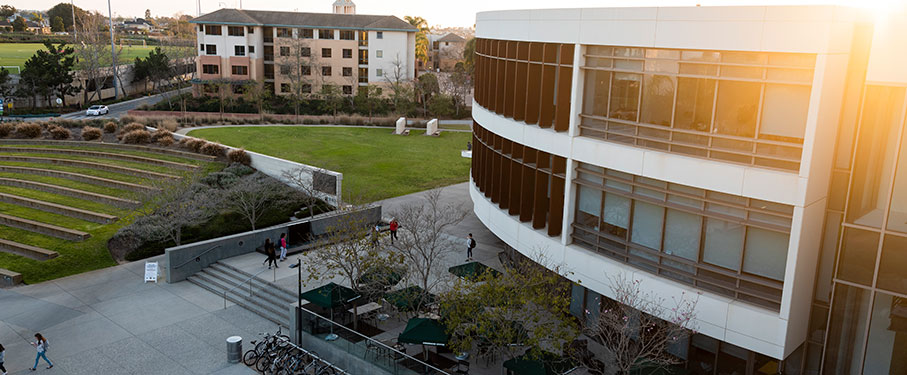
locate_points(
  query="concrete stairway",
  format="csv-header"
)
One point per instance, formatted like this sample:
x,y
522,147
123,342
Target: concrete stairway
x,y
267,299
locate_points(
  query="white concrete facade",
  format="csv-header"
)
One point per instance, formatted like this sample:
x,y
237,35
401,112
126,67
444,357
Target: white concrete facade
x,y
826,31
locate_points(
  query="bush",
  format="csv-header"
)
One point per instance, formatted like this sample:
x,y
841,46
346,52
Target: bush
x,y
238,170
160,133
240,156
212,149
165,141
194,144
110,127
57,132
128,119
220,179
132,127
170,125
90,133
28,130
137,137
6,129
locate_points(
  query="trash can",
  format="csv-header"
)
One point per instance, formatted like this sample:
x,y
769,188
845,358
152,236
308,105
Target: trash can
x,y
234,349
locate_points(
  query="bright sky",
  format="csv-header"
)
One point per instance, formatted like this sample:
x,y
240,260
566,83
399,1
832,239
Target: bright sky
x,y
437,12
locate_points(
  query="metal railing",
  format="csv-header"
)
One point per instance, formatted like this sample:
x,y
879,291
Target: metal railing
x,y
197,257
242,283
371,350
313,355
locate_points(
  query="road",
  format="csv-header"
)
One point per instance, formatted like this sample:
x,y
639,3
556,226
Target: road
x,y
118,110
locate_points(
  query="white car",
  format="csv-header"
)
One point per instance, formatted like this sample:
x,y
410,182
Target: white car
x,y
97,110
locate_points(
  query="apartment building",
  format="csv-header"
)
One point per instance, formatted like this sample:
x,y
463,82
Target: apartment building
x,y
753,156
445,51
301,52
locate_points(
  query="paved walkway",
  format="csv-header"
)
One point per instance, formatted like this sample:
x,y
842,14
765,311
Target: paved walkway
x,y
110,322
389,128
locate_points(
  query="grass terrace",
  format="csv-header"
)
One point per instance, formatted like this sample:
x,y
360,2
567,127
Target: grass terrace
x,y
375,163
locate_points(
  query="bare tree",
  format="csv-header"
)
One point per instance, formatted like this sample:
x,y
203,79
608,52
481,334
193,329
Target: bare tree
x,y
297,69
400,86
187,205
310,184
631,332
423,241
93,51
525,306
254,195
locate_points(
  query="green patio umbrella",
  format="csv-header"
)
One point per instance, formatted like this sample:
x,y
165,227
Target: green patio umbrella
x,y
381,275
408,299
548,364
331,295
424,331
472,270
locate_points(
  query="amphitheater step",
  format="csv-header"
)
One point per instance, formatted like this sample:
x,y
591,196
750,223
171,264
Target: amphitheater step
x,y
27,251
47,229
118,146
9,278
75,193
87,164
78,177
102,155
54,208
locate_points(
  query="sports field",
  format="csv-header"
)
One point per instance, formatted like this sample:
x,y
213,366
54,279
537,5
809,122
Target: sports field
x,y
15,54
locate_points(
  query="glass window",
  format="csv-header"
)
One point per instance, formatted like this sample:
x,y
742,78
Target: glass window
x,y
576,300
285,69
858,255
325,70
657,99
766,253
347,53
212,29
648,224
589,202
616,214
239,50
379,35
593,307
887,341
897,214
892,275
736,109
283,32
849,317
307,33
625,96
694,104
875,155
784,111
325,52
595,99
284,51
347,72
682,234
325,34
305,51
379,53
723,243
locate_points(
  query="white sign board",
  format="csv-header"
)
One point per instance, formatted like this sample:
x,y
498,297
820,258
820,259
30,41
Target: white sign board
x,y
151,272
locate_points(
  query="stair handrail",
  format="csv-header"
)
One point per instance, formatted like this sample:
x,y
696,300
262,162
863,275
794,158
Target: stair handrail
x,y
241,283
196,258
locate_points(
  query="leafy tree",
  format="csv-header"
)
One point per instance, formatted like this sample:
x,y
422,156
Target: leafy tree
x,y
421,36
331,99
6,88
65,12
426,87
458,85
51,71
57,25
469,55
19,24
441,105
37,17
368,100
7,11
155,67
256,92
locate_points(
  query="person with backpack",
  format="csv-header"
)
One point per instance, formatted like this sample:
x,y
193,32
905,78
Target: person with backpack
x,y
283,247
271,253
2,352
394,225
41,346
470,244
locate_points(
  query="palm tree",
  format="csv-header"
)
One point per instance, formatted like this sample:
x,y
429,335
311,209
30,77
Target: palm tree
x,y
421,36
38,18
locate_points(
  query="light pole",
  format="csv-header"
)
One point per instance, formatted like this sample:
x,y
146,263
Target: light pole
x,y
75,34
113,53
298,267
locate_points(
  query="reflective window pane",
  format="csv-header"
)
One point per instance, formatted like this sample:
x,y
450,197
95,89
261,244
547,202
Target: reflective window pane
x,y
657,100
897,214
858,255
875,154
694,104
766,253
887,342
849,317
682,234
648,221
617,210
736,109
784,111
723,243
589,201
625,96
595,99
893,265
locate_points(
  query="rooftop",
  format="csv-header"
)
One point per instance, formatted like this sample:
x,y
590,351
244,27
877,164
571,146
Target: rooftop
x,y
229,16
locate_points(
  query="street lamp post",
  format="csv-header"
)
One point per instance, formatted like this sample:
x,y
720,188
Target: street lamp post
x,y
298,267
113,53
72,6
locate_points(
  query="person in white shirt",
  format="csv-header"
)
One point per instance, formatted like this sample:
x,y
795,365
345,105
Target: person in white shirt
x,y
470,244
41,345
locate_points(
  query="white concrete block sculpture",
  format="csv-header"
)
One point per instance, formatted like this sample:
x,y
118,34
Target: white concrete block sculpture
x,y
432,127
401,125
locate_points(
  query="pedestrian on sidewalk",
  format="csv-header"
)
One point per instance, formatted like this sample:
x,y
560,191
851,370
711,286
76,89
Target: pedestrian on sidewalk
x,y
283,247
41,346
374,236
394,225
2,352
271,253
470,244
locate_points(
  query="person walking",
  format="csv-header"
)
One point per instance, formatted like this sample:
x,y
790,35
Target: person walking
x,y
394,225
374,237
41,346
283,247
271,253
470,244
2,352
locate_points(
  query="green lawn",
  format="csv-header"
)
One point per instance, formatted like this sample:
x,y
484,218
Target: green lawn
x,y
15,54
375,163
75,257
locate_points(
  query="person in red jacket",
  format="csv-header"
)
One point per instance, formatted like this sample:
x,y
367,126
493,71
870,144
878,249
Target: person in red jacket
x,y
393,226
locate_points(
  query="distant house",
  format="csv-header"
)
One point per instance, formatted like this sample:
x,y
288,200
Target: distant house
x,y
445,51
138,25
32,27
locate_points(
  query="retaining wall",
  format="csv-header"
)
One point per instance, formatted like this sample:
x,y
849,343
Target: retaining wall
x,y
54,208
50,230
27,251
75,193
78,177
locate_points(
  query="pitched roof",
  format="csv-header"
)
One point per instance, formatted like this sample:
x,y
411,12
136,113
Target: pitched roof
x,y
296,19
452,38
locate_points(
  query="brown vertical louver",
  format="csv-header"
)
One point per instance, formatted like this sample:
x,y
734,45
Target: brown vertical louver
x,y
516,178
556,207
540,208
528,187
564,82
